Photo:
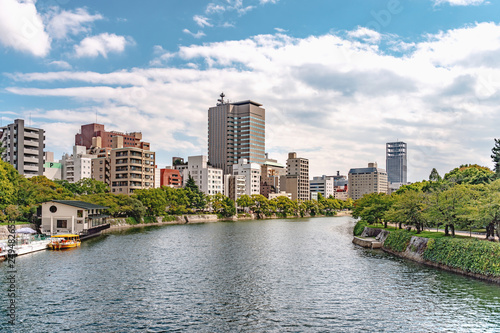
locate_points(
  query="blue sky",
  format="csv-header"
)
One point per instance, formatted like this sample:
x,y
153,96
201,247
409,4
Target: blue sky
x,y
338,79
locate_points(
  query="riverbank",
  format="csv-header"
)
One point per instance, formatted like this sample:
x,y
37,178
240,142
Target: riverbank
x,y
470,257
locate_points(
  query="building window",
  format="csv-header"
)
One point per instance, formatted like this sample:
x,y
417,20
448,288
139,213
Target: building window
x,y
62,223
79,213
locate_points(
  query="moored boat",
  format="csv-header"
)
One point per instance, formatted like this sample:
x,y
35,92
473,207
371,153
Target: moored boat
x,y
61,242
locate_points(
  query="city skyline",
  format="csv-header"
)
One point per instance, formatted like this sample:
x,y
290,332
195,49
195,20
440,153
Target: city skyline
x,y
338,80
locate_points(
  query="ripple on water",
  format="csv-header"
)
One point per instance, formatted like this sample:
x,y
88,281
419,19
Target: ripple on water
x,y
258,276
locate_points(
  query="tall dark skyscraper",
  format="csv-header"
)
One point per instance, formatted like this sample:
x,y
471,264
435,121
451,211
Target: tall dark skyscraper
x,y
236,131
396,162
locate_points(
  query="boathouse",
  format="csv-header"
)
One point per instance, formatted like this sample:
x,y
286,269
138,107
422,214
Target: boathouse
x,y
72,217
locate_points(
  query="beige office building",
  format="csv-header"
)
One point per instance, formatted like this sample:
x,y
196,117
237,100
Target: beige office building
x,y
236,131
296,180
366,180
126,169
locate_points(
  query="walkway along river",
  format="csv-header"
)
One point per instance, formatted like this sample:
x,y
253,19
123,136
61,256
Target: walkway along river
x,y
301,275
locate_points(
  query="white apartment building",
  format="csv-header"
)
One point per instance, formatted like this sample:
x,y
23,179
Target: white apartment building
x,y
207,178
251,171
324,185
77,165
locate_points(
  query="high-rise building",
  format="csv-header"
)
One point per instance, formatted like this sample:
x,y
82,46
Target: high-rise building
x,y
296,180
23,147
396,162
366,180
236,131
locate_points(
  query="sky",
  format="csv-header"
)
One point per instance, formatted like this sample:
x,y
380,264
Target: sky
x,y
338,79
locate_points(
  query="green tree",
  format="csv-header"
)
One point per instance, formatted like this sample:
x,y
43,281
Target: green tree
x,y
153,199
372,207
222,205
91,186
245,201
285,206
409,207
486,210
7,189
434,176
452,207
197,199
495,156
470,174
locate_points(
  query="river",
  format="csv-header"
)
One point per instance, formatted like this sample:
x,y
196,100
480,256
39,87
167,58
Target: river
x,y
299,275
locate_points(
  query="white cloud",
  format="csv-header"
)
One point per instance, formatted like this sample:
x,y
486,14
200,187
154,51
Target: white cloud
x,y
62,22
202,21
368,35
460,2
21,27
101,45
324,96
213,8
199,34
61,64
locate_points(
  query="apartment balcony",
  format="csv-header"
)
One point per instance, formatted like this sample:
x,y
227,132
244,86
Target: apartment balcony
x,y
29,159
31,168
29,143
28,151
32,135
135,161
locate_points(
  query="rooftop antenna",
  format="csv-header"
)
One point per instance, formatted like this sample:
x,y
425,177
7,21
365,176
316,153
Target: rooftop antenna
x,y
221,99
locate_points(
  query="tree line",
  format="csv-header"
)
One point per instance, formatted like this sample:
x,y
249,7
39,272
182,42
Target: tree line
x,y
20,197
466,198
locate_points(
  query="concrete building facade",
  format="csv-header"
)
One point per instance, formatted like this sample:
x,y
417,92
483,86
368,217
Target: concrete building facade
x,y
170,177
23,147
126,169
296,180
234,186
270,175
236,131
323,185
367,180
396,162
77,165
89,133
251,172
208,179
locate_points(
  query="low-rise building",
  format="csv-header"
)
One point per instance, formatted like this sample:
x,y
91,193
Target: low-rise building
x,y
77,165
366,180
170,177
323,185
251,172
72,217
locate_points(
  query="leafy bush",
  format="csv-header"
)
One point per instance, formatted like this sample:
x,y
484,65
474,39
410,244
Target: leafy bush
x,y
398,240
359,227
470,255
168,218
150,219
131,220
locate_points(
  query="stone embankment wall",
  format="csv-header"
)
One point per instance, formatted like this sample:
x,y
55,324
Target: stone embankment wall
x,y
415,251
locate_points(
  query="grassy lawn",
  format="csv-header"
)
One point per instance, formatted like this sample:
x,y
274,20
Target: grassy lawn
x,y
425,234
7,223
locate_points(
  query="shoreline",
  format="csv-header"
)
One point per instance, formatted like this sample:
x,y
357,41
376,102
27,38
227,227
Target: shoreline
x,y
207,218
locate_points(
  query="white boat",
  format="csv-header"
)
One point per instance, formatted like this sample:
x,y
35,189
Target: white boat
x,y
24,244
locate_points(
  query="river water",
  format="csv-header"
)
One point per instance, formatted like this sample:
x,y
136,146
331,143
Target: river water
x,y
300,275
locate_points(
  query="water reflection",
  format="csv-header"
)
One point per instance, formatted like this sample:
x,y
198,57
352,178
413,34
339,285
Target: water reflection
x,y
256,276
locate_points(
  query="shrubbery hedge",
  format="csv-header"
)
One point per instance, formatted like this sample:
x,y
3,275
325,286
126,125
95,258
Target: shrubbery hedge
x,y
398,240
359,227
471,255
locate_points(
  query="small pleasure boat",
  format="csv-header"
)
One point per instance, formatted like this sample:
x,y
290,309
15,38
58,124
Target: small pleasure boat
x,y
61,242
